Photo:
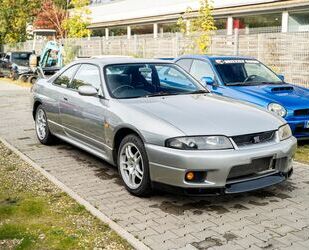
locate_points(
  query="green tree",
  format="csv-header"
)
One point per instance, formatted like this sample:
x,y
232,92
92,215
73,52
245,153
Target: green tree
x,y
203,25
78,19
15,16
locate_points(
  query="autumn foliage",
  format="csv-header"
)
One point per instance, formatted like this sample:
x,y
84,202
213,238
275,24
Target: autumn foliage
x,y
50,16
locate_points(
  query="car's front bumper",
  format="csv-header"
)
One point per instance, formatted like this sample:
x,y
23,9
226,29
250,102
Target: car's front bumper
x,y
169,166
299,127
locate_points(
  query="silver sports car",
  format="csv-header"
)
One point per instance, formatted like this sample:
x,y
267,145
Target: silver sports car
x,y
158,131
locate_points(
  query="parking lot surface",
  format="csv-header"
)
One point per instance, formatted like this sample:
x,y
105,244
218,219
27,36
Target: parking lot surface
x,y
274,218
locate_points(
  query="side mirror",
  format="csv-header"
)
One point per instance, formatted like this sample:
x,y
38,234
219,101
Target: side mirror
x,y
281,77
206,80
87,90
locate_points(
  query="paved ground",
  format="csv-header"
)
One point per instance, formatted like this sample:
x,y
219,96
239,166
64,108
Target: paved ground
x,y
275,218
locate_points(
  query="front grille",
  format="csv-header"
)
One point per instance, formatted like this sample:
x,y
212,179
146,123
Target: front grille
x,y
255,167
301,112
243,140
301,130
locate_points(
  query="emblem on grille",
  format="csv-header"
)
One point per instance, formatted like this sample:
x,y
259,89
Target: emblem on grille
x,y
256,139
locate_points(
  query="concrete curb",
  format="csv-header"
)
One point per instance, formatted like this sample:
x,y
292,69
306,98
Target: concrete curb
x,y
137,244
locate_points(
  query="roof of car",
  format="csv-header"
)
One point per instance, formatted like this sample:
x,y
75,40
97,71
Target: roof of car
x,y
215,57
119,60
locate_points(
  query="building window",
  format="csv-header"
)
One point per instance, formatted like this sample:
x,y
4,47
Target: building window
x,y
221,23
299,22
266,22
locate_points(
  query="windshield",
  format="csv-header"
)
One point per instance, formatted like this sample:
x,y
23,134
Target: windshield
x,y
21,59
148,80
246,72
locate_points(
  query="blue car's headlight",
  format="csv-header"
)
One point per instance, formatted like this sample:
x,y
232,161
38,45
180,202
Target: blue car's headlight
x,y
200,143
277,109
284,132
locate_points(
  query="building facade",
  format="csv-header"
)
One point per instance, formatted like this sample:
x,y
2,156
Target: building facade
x,y
129,17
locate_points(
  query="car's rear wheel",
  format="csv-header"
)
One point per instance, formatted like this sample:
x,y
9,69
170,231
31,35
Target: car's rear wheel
x,y
22,78
41,127
133,166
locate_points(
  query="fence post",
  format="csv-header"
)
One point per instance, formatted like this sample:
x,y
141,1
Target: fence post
x,y
135,45
144,47
236,42
101,46
176,45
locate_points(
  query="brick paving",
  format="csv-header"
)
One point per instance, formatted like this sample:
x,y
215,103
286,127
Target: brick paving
x,y
274,218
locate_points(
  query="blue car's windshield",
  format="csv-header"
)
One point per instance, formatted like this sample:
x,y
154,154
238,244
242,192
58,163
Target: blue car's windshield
x,y
148,80
247,72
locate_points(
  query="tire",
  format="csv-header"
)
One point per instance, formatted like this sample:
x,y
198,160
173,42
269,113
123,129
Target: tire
x,y
22,78
32,79
41,127
128,167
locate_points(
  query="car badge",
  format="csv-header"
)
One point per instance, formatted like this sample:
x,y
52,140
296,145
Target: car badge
x,y
256,139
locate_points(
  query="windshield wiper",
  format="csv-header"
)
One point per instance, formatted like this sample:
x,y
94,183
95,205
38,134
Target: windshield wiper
x,y
160,94
200,91
251,83
236,84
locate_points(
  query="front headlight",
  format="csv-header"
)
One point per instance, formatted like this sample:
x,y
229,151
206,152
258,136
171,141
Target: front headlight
x,y
200,143
284,132
277,109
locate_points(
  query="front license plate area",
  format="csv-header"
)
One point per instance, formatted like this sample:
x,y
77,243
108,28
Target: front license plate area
x,y
255,167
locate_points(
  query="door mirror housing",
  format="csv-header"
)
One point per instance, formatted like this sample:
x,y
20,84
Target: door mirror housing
x,y
281,77
87,90
206,80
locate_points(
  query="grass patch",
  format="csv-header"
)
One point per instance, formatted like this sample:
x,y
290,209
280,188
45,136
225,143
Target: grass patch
x,y
34,214
302,153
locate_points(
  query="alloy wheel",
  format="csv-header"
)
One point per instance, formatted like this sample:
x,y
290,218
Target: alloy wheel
x,y
131,165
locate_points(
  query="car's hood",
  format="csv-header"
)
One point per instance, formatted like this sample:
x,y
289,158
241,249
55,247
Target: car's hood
x,y
290,96
207,114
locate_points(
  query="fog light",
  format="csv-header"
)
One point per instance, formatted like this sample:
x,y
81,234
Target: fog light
x,y
190,176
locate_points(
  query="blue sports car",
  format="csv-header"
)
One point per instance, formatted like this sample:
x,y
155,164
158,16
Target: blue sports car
x,y
247,79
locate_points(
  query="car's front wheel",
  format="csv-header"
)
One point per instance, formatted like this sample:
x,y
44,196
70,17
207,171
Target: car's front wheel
x,y
133,166
41,127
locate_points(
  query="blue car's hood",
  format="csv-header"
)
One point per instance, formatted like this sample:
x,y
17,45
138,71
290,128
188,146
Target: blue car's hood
x,y
290,96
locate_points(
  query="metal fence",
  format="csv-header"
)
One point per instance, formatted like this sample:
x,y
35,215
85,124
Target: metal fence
x,y
286,53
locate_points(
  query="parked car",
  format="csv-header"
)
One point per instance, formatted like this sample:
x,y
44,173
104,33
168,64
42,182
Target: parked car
x,y
247,79
5,68
162,133
14,64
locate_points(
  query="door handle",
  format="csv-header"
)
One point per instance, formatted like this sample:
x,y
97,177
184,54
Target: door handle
x,y
65,98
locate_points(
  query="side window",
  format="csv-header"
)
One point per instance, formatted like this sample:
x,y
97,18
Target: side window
x,y
87,75
174,79
185,64
65,78
201,69
170,72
